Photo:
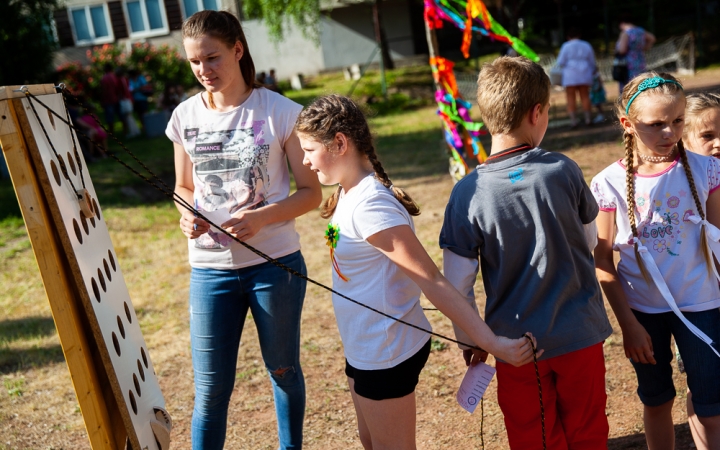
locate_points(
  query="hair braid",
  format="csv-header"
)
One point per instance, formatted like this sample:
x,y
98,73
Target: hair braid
x,y
698,204
629,141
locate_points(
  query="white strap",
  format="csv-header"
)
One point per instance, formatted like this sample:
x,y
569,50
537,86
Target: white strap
x,y
659,281
713,235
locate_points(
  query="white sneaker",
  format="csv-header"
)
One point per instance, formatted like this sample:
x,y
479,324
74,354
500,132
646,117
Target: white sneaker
x,y
599,119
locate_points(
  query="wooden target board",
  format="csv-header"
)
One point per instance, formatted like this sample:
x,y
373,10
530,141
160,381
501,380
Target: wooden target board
x,y
95,275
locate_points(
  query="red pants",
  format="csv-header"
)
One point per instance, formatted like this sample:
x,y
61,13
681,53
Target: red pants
x,y
573,388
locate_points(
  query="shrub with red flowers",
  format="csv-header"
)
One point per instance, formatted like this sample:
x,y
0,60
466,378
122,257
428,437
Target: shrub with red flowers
x,y
76,77
162,65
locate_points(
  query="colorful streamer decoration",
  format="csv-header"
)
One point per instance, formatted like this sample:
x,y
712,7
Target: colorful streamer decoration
x,y
332,236
469,16
460,130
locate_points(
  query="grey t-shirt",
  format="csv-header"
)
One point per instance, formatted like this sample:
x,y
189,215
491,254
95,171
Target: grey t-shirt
x,y
523,217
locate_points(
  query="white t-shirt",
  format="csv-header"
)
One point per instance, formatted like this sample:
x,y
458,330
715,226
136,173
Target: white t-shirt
x,y
371,340
577,60
239,163
664,202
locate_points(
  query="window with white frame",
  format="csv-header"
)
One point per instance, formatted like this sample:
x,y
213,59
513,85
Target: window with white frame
x,y
146,17
193,6
91,24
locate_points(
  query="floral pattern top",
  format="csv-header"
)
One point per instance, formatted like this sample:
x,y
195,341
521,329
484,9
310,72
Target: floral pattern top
x,y
663,206
635,55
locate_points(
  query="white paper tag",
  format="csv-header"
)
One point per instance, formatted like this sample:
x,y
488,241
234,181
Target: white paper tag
x,y
219,216
473,386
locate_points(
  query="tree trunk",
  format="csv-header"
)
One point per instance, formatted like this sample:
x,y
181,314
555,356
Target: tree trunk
x,y
380,37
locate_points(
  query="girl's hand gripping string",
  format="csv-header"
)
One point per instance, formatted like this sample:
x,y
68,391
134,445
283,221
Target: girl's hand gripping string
x,y
517,352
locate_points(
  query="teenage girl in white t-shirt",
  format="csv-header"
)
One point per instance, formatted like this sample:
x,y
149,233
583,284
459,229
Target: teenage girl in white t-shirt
x,y
233,143
378,261
659,207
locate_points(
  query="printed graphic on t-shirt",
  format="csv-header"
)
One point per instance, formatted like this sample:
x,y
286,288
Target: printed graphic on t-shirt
x,y
230,171
662,228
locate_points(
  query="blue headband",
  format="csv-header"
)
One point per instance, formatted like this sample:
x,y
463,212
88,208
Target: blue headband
x,y
649,83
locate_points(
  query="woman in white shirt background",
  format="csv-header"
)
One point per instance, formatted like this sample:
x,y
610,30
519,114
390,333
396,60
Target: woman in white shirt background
x,y
577,61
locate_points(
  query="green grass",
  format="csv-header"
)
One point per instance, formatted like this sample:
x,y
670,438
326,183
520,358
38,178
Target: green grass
x,y
408,88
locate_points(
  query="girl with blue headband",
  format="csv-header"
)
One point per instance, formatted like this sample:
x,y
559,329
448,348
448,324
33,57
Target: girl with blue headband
x,y
659,208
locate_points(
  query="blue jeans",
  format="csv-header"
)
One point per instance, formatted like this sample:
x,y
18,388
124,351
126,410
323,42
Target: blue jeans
x,y
655,383
219,302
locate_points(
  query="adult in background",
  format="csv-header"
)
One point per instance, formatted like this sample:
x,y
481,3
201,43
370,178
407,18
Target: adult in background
x,y
233,143
110,92
577,60
632,44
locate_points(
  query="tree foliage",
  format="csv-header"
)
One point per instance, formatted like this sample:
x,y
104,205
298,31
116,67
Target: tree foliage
x,y
276,14
26,40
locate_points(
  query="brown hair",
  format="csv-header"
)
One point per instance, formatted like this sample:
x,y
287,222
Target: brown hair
x,y
327,116
630,146
508,88
696,105
225,27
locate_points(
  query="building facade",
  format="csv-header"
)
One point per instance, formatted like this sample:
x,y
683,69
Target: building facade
x,y
346,32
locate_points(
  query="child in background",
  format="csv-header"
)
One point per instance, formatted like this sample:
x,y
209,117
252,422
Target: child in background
x,y
702,124
379,262
702,136
96,133
597,96
523,214
655,205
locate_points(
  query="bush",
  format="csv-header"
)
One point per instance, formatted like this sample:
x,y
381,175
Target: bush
x,y
163,65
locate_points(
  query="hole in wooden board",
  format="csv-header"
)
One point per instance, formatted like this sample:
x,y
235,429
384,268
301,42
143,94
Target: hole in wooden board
x,y
127,313
96,209
55,172
92,221
107,270
84,222
133,405
142,353
102,280
141,370
116,343
52,119
137,385
63,167
78,234
71,162
112,260
95,289
121,327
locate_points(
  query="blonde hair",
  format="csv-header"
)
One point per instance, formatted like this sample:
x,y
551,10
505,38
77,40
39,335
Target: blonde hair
x,y
630,146
508,88
225,27
696,105
327,116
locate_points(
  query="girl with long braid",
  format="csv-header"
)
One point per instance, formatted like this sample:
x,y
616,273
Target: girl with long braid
x,y
658,207
378,260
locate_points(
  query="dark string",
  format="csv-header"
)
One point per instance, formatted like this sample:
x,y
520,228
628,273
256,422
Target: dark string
x,y
165,189
171,194
63,168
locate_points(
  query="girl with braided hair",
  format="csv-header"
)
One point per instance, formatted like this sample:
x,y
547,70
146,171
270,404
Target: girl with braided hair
x,y
379,262
659,206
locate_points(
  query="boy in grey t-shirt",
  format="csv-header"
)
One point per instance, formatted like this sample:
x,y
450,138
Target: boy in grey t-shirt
x,y
522,215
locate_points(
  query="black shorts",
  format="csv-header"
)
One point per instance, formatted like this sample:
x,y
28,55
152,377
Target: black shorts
x,y
394,382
